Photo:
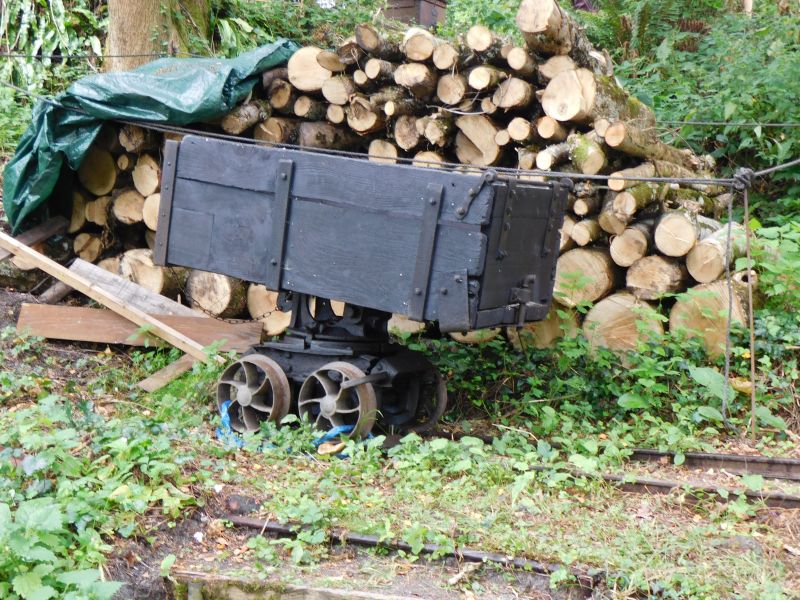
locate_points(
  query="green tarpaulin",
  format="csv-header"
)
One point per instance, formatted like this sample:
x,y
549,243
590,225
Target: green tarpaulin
x,y
173,91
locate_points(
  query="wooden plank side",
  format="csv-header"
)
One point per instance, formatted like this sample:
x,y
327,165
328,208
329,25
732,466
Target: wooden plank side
x,y
167,375
129,292
38,234
109,300
393,188
82,324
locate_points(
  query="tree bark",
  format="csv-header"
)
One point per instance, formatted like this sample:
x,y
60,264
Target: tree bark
x,y
547,29
146,27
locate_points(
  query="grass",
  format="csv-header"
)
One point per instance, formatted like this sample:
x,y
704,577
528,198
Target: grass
x,y
122,465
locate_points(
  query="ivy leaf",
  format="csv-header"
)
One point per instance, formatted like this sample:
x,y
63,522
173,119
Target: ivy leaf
x,y
753,482
631,401
83,579
709,413
730,108
27,584
766,417
439,444
712,380
167,563
587,464
679,459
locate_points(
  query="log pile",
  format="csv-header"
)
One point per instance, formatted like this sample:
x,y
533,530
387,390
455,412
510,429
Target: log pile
x,y
551,104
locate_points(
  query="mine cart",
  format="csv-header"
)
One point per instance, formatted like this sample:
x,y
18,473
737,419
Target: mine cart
x,y
466,249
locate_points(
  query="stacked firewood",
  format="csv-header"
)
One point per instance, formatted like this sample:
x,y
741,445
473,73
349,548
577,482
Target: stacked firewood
x,y
551,104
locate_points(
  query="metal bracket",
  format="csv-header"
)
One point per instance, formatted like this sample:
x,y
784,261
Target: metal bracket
x,y
427,240
487,177
524,296
280,213
165,206
505,228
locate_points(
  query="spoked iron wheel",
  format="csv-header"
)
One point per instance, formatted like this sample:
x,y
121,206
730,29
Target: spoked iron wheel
x,y
329,399
257,390
416,404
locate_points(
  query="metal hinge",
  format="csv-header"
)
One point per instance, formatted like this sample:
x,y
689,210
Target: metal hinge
x,y
487,177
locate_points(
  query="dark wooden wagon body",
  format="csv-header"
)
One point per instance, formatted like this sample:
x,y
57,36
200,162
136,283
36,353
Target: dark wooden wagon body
x,y
468,250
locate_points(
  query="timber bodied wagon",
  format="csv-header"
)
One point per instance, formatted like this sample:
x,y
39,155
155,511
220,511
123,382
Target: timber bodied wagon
x,y
466,249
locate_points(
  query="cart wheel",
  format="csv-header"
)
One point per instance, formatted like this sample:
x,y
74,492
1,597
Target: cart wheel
x,y
432,407
327,401
257,389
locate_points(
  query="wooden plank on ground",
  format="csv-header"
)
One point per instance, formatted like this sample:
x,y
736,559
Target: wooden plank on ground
x,y
167,375
82,324
86,286
129,292
38,234
213,585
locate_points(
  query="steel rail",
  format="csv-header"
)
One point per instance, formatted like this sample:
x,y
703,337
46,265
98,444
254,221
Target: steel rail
x,y
587,578
738,464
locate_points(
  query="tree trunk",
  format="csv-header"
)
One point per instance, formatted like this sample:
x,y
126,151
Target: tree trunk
x,y
376,44
363,117
127,207
97,211
633,141
559,322
521,62
380,70
216,295
305,73
418,78
707,260
586,231
152,204
582,96
88,246
324,135
633,243
555,65
551,130
703,312
621,322
148,27
282,97
513,94
418,44
136,139
310,108
137,265
678,231
383,151
584,275
277,130
337,90
475,142
652,277
262,304
486,77
547,29
147,175
244,116
98,172
452,89
565,235
406,134
78,217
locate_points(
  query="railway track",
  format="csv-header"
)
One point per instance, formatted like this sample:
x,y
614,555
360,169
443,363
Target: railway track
x,y
787,469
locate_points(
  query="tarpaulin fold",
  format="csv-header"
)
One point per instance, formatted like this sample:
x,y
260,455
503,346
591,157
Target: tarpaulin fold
x,y
171,91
